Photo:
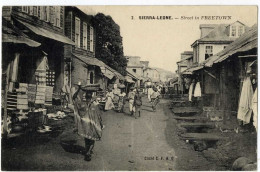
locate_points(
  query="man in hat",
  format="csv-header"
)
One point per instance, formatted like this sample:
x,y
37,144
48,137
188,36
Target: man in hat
x,y
131,98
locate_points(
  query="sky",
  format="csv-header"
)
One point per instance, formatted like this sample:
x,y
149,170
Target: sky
x,y
162,41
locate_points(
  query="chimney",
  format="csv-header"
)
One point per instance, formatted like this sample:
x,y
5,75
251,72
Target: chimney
x,y
205,29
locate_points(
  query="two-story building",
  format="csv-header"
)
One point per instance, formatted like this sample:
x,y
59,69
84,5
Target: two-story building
x,y
135,65
84,66
185,63
45,25
214,38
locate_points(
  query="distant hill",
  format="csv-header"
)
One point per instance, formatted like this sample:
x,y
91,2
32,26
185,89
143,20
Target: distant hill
x,y
166,73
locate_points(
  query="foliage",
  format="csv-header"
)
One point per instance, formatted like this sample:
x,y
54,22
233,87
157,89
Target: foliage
x,y
109,46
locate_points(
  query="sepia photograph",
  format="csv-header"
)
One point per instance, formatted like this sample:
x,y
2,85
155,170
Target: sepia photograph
x,y
129,88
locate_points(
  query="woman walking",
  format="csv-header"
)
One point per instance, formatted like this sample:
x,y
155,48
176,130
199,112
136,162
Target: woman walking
x,y
155,98
88,120
109,103
131,98
121,101
138,103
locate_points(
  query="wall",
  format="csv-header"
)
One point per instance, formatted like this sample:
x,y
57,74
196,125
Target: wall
x,y
139,71
216,48
153,74
70,14
79,72
133,61
17,12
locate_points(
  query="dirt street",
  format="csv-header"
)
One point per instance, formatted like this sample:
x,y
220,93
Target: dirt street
x,y
146,143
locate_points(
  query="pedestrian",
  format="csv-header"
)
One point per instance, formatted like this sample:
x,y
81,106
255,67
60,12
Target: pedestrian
x,y
138,102
121,102
131,98
88,121
155,98
109,100
150,92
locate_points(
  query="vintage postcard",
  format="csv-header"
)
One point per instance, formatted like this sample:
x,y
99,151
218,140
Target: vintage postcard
x,y
129,88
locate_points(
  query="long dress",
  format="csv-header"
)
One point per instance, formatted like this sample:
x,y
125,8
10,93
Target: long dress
x,y
254,108
190,91
197,91
121,102
244,109
109,103
88,120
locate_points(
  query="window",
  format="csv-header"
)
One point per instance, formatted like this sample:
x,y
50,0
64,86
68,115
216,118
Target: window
x,y
134,70
208,51
91,39
57,16
35,11
91,78
25,9
50,78
240,30
233,31
77,32
30,8
45,15
85,40
52,14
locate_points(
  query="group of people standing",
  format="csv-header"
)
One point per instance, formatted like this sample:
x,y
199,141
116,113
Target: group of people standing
x,y
118,96
115,96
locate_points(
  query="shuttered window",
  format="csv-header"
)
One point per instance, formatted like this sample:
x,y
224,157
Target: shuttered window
x,y
240,30
30,10
57,16
85,37
77,32
25,9
52,14
35,11
91,39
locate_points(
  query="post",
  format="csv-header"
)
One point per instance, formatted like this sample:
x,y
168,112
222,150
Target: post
x,y
5,101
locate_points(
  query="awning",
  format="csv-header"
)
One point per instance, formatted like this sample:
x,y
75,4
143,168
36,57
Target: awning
x,y
11,34
129,79
47,34
106,70
133,75
190,71
8,38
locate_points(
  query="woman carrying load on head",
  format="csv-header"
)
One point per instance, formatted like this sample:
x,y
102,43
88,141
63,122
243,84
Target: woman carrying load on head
x,y
88,119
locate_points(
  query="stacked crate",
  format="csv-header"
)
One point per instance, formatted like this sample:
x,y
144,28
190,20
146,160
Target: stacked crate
x,y
22,96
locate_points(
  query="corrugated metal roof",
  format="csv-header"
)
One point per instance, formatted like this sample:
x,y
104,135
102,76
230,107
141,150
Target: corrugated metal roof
x,y
47,34
245,42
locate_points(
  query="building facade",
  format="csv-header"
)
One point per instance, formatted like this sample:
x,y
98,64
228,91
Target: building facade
x,y
214,38
134,65
44,24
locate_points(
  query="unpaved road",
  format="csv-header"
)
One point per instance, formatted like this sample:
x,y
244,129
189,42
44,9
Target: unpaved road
x,y
127,144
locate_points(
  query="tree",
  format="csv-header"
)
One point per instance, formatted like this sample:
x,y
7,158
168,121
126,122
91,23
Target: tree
x,y
109,46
